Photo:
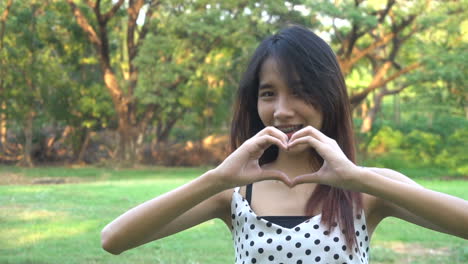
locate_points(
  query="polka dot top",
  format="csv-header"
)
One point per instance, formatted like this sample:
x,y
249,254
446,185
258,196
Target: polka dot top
x,y
257,240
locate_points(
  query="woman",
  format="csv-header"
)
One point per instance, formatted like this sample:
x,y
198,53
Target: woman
x,y
290,191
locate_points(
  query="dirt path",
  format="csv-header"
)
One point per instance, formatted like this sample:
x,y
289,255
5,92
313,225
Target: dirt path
x,y
406,253
11,178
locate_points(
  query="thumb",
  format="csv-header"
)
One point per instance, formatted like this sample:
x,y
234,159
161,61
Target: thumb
x,y
268,174
305,178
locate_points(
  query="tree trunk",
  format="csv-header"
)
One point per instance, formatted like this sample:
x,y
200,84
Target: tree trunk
x,y
3,116
3,125
371,114
126,151
364,110
84,146
28,136
397,111
123,99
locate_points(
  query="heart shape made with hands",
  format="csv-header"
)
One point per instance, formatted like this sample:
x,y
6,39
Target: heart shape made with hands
x,y
337,170
296,149
335,162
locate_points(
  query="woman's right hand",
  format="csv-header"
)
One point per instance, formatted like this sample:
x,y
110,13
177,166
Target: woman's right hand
x,y
242,166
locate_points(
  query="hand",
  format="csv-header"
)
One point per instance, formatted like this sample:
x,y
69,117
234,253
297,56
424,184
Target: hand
x,y
337,170
242,166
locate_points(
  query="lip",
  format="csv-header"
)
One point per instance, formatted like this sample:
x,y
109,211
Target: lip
x,y
292,125
289,130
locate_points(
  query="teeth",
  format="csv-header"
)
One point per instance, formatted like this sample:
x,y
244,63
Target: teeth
x,y
290,129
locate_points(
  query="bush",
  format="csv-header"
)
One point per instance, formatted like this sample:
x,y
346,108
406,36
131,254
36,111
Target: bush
x,y
386,140
421,147
435,154
454,154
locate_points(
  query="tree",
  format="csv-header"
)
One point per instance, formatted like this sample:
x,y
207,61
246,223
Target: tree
x,y
25,84
130,124
3,106
193,57
168,25
79,104
372,40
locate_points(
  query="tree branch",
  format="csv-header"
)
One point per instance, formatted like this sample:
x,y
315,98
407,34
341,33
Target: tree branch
x,y
3,20
113,10
346,65
383,13
91,4
395,91
356,99
84,24
97,11
133,11
145,29
147,116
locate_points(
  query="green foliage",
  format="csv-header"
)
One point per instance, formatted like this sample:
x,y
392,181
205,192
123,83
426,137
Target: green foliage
x,y
192,59
421,146
444,154
386,140
454,154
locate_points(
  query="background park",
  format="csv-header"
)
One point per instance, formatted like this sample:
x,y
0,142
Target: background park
x,y
106,104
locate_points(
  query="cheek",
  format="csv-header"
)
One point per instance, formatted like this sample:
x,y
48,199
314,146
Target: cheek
x,y
316,118
319,122
263,113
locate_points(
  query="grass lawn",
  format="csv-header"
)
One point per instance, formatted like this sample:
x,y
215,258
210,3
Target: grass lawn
x,y
61,223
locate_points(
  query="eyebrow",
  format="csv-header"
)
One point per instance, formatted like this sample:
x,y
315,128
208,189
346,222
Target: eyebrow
x,y
265,86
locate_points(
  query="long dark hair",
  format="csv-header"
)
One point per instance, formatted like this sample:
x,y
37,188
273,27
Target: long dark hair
x,y
300,53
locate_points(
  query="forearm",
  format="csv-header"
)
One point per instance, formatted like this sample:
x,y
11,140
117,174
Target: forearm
x,y
447,212
138,224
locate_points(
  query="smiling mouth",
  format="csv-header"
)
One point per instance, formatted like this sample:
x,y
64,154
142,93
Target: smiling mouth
x,y
290,130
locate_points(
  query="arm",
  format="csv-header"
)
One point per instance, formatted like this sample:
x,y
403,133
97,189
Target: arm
x,y
159,217
202,199
407,200
430,218
433,209
384,208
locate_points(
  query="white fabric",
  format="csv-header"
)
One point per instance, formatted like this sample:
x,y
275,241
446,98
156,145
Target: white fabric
x,y
259,241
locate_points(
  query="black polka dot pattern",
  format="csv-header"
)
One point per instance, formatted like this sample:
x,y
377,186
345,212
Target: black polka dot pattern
x,y
259,241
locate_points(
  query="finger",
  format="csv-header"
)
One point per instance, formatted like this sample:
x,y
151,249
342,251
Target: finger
x,y
309,140
267,174
265,141
273,131
309,131
305,178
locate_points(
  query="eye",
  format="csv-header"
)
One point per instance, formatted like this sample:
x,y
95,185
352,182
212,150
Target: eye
x,y
266,94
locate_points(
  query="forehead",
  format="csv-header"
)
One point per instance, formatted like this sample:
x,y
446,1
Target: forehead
x,y
269,67
273,71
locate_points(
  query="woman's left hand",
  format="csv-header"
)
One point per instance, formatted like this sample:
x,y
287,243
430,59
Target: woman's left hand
x,y
337,170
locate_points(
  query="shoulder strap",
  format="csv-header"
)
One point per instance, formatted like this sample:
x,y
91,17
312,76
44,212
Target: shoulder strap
x,y
248,193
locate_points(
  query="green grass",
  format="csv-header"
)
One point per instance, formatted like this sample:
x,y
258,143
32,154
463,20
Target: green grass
x,y
62,223
414,170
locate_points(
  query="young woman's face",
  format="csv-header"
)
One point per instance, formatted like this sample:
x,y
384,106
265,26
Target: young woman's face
x,y
278,106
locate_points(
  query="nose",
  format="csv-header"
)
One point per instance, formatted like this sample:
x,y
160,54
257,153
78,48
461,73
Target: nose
x,y
283,108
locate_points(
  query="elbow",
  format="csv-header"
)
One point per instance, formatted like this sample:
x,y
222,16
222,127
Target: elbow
x,y
108,243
